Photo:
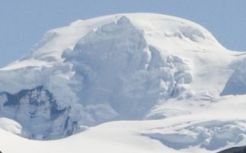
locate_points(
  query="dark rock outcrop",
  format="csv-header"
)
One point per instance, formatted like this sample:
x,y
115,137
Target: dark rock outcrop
x,y
235,150
38,112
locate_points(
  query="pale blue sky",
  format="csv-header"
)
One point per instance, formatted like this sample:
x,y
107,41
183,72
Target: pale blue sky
x,y
23,22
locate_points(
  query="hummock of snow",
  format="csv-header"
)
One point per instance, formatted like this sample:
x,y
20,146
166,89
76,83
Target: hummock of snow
x,y
126,67
10,126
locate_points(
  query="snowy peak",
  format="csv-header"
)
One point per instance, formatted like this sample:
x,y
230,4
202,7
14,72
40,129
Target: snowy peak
x,y
178,35
124,66
167,28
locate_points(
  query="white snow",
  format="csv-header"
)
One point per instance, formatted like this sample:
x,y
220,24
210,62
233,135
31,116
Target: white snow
x,y
133,67
10,126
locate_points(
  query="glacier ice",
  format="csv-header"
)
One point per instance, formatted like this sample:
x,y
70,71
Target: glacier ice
x,y
211,135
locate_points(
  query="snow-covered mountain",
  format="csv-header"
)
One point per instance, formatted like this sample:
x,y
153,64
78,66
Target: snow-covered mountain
x,y
184,90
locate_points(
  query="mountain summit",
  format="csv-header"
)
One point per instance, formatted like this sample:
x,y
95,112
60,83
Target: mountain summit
x,y
119,67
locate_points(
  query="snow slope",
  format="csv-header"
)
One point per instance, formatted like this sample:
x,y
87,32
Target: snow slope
x,y
208,131
126,67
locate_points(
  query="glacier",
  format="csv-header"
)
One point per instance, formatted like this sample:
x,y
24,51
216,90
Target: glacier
x,y
139,68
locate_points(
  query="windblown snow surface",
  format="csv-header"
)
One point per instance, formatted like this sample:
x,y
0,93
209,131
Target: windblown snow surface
x,y
125,83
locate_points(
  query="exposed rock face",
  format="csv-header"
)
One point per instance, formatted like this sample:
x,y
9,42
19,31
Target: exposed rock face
x,y
38,112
